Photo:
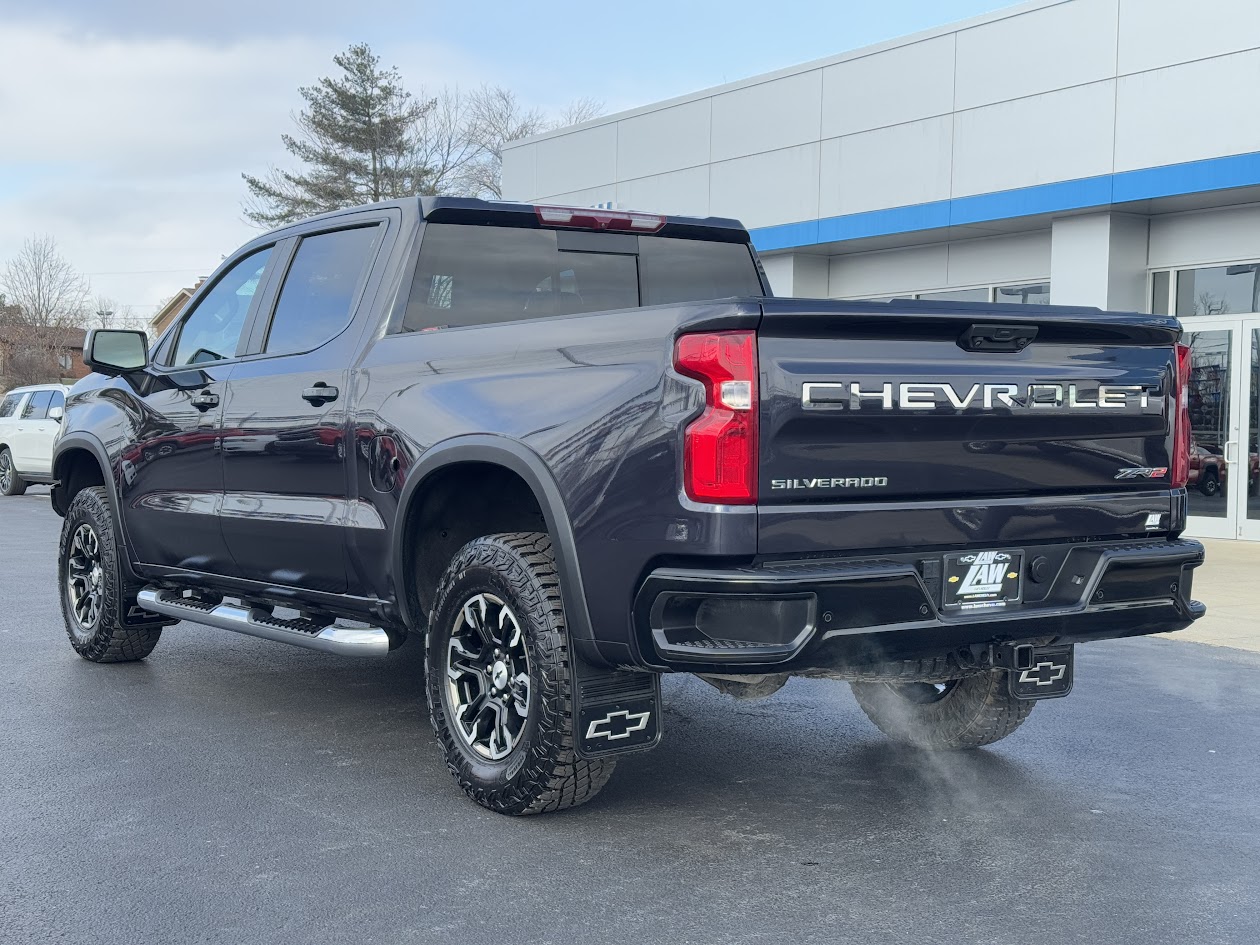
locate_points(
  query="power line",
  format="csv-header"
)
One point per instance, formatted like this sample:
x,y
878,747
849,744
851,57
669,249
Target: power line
x,y
145,272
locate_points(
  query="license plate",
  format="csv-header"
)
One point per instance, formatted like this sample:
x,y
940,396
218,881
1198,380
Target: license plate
x,y
983,580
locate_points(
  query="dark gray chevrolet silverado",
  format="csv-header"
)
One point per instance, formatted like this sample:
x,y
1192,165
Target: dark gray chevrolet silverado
x,y
570,450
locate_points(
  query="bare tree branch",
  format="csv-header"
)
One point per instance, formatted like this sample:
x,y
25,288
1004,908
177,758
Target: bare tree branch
x,y
44,303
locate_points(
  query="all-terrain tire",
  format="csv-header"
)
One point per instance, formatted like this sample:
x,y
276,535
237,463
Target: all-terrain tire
x,y
11,482
102,637
968,713
1210,482
542,772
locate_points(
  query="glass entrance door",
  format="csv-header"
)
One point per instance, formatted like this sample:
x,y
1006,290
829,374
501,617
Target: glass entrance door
x,y
1224,414
1246,456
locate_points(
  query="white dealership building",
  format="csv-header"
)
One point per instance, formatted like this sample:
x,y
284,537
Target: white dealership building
x,y
1085,152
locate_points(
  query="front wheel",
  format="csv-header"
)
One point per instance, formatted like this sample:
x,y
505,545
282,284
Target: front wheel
x,y
1210,483
498,687
11,482
93,587
958,714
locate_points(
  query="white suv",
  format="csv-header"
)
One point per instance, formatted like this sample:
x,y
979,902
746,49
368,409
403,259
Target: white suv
x,y
29,420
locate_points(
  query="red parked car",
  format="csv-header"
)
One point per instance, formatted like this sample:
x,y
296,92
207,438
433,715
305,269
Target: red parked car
x,y
1207,470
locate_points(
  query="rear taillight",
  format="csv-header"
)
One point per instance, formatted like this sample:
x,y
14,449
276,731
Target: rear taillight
x,y
1181,420
720,446
600,219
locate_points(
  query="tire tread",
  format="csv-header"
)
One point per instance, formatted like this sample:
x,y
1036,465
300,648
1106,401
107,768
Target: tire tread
x,y
979,711
114,641
554,777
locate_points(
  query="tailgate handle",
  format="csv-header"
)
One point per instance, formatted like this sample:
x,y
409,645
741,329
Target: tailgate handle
x,y
997,337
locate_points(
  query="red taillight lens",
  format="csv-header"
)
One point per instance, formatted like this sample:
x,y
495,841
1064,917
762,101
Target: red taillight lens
x,y
720,448
599,219
1181,420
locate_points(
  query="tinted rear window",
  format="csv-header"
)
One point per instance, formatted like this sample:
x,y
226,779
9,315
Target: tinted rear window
x,y
476,275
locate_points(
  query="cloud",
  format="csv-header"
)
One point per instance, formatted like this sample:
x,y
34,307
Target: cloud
x,y
129,149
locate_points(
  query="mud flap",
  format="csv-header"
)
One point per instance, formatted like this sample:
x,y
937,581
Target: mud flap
x,y
615,711
1037,672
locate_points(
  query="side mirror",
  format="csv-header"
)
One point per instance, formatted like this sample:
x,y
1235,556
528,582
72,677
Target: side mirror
x,y
113,351
56,413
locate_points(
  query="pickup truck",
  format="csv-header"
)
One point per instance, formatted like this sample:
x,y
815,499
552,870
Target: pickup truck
x,y
570,450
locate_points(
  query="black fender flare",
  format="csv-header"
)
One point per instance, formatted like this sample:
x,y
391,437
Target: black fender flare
x,y
520,459
80,440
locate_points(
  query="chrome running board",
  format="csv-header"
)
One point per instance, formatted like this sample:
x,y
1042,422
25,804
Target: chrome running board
x,y
344,641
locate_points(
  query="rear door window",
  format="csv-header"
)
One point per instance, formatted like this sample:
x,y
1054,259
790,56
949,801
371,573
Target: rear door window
x,y
37,406
319,292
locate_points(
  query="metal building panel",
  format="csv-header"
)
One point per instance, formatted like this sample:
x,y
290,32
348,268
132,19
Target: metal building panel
x,y
683,192
665,140
1018,257
578,160
1039,51
898,85
766,189
519,176
890,272
890,167
1159,33
1187,112
1058,136
767,116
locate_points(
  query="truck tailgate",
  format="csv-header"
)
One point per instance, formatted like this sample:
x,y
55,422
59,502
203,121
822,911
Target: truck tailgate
x,y
960,406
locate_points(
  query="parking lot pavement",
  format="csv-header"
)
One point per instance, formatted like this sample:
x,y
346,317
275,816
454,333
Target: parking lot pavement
x,y
1229,583
228,790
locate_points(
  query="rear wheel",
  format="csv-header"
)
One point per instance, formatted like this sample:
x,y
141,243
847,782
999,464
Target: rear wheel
x,y
94,591
958,714
498,679
11,483
1210,482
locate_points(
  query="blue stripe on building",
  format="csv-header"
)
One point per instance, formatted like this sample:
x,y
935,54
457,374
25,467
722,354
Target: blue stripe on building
x,y
1241,170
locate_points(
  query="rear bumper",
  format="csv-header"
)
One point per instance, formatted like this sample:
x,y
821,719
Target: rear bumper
x,y
850,614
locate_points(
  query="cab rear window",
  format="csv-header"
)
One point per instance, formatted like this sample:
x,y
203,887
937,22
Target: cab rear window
x,y
477,275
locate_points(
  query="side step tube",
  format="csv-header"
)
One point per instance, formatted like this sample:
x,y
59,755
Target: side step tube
x,y
344,641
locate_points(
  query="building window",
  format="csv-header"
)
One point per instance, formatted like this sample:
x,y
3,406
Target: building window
x,y
1032,293
66,360
1206,290
1036,293
956,295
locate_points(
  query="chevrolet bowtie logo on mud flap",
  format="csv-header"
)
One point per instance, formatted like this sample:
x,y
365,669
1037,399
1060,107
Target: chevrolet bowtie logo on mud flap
x,y
1037,672
619,724
1043,674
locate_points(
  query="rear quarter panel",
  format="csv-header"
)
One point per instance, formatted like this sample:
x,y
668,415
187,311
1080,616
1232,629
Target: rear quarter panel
x,y
595,397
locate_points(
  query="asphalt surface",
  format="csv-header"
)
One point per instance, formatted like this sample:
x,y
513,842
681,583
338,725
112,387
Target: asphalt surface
x,y
228,790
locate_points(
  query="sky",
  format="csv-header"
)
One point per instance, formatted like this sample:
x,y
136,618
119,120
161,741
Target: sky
x,y
125,125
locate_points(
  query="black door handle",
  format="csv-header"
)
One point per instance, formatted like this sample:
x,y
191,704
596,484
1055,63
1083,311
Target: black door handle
x,y
205,400
320,394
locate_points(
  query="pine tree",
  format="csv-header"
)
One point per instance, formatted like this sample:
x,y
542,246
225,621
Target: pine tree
x,y
357,138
